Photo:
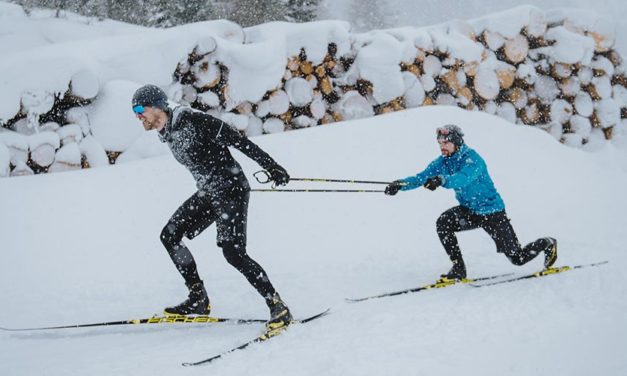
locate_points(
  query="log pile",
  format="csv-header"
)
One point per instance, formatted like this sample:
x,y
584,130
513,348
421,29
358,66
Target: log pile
x,y
47,133
558,76
528,78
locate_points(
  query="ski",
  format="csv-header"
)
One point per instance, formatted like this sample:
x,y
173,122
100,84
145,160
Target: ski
x,y
436,285
170,319
270,333
542,273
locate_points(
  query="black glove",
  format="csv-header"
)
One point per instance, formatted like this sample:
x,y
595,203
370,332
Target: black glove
x,y
433,183
393,187
278,175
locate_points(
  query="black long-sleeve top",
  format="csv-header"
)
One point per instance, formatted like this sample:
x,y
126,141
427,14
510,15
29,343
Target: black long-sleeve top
x,y
200,143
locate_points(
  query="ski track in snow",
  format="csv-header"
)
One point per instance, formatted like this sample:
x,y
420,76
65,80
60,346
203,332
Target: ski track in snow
x,y
84,247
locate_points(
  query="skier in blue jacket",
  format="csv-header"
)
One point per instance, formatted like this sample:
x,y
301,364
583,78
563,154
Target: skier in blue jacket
x,y
462,169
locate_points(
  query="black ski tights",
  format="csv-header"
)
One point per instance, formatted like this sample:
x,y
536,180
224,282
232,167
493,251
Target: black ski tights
x,y
229,211
497,225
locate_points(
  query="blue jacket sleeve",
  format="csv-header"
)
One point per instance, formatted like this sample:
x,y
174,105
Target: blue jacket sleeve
x,y
434,168
472,168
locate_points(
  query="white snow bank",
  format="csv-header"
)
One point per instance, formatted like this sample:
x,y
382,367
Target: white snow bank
x,y
313,37
19,32
510,22
113,122
5,160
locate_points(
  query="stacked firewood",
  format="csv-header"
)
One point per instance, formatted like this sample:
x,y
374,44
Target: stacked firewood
x,y
51,131
526,79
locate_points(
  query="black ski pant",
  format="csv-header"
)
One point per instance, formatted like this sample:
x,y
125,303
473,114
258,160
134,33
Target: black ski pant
x,y
229,211
497,225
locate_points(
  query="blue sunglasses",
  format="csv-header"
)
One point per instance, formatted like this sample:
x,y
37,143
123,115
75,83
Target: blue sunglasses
x,y
139,109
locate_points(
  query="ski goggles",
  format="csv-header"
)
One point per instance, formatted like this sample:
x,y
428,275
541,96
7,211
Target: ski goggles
x,y
139,110
443,134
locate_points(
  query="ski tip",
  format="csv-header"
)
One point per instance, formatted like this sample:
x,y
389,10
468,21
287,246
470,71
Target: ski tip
x,y
323,313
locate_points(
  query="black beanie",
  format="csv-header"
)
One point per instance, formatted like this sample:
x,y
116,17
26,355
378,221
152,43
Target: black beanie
x,y
150,96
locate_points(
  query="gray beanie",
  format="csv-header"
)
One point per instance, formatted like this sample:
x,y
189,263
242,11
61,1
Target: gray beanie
x,y
452,133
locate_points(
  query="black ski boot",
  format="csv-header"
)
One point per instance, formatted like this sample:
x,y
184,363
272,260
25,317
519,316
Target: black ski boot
x,y
457,272
280,316
197,303
550,255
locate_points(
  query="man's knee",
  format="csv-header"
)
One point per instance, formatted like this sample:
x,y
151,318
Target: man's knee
x,y
234,253
444,223
170,237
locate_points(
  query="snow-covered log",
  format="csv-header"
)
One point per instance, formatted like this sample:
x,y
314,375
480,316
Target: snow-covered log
x,y
487,83
207,74
299,91
255,126
43,147
506,75
94,153
583,104
22,169
303,121
317,109
561,111
353,106
67,158
414,92
273,125
516,49
546,89
70,133
517,97
17,144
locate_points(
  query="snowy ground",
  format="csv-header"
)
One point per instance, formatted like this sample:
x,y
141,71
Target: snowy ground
x,y
84,246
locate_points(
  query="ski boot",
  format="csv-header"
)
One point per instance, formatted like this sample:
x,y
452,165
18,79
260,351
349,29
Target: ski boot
x,y
550,254
456,274
197,303
280,316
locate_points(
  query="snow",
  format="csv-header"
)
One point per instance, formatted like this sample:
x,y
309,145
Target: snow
x,y
353,106
313,37
69,154
70,133
508,23
378,61
457,45
487,82
117,57
254,68
569,47
5,160
85,245
44,138
94,153
113,122
608,112
414,92
273,125
583,104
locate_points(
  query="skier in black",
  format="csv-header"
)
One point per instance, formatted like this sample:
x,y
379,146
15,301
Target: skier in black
x,y
462,169
200,143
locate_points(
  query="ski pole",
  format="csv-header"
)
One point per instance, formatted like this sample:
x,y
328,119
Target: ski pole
x,y
319,190
265,178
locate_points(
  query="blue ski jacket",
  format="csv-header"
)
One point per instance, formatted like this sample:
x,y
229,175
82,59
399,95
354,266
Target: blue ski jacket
x,y
467,174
